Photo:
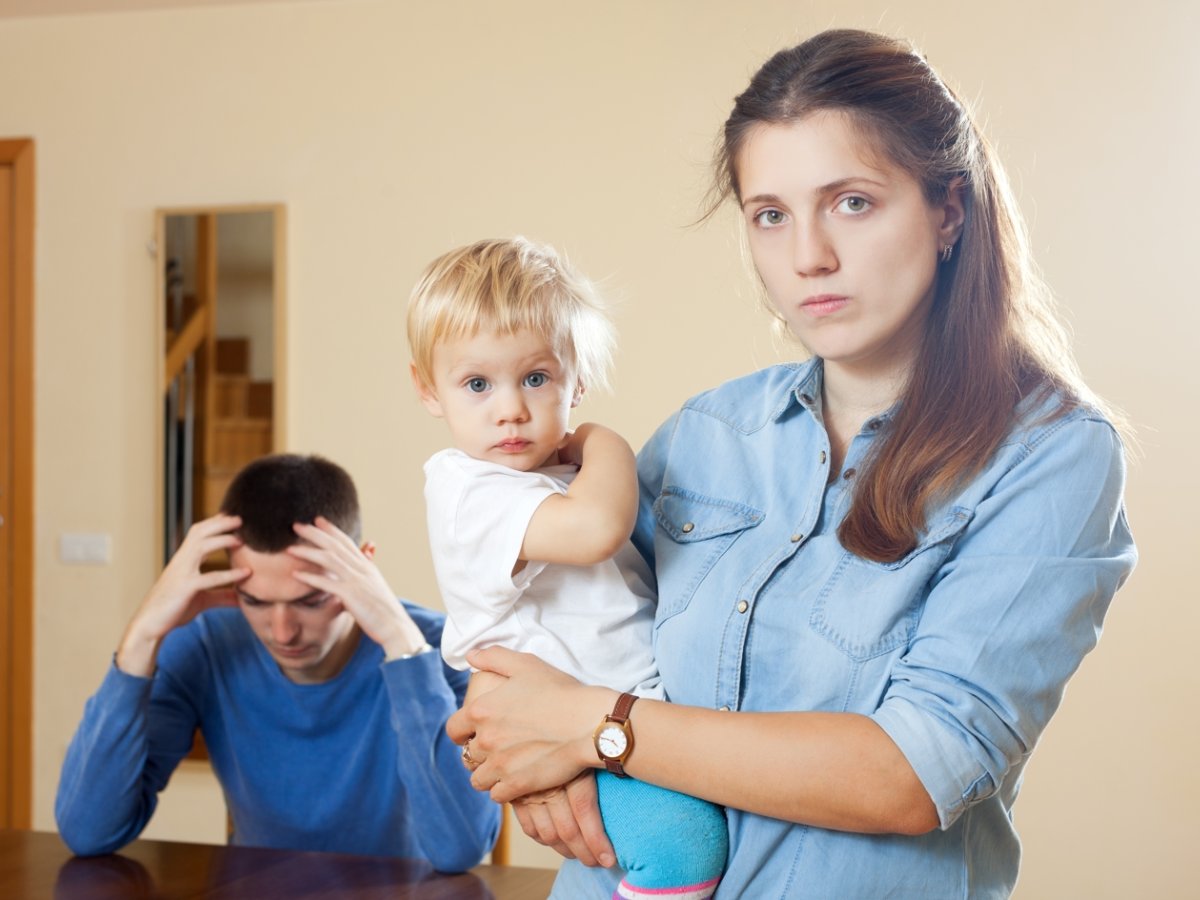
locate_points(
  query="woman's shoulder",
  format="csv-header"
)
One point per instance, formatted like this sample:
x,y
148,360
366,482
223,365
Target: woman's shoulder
x,y
749,402
1057,444
1052,416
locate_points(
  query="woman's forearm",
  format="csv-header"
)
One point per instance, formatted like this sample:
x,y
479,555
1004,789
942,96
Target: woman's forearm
x,y
831,770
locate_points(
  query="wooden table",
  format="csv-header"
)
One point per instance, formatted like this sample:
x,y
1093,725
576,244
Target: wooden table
x,y
38,866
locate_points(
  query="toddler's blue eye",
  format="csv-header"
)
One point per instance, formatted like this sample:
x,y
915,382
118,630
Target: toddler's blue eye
x,y
536,379
477,385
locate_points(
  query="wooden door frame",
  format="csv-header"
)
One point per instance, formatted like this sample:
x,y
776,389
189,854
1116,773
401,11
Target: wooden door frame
x,y
18,686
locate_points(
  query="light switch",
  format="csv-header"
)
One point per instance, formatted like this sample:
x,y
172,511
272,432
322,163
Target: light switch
x,y
85,549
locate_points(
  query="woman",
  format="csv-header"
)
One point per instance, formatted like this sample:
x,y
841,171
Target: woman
x,y
876,569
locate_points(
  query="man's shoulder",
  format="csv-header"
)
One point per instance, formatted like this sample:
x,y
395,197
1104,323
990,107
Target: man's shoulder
x,y
216,634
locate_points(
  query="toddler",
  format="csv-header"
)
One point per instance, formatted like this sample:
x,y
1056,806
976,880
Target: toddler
x,y
529,523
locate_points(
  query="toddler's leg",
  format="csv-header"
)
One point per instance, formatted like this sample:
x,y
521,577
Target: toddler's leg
x,y
671,846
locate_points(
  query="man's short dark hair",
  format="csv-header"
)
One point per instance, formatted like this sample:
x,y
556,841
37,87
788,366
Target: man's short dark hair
x,y
274,492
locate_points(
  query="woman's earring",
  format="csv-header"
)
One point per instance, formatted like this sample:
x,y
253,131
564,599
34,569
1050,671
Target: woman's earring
x,y
947,252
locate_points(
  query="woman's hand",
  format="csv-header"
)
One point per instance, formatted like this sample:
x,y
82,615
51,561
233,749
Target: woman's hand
x,y
567,819
533,732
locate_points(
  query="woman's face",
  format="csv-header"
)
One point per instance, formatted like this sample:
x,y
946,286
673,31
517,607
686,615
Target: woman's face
x,y
845,243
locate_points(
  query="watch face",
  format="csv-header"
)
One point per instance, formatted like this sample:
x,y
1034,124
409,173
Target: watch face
x,y
612,742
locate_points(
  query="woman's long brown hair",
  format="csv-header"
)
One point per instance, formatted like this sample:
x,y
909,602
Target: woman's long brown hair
x,y
992,338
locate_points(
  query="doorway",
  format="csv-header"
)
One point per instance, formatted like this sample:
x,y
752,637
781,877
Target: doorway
x,y
221,345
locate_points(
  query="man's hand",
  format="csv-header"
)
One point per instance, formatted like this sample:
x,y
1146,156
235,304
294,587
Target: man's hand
x,y
181,593
348,573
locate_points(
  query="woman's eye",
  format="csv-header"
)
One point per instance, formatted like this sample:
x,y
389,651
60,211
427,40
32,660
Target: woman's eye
x,y
477,385
536,379
855,204
769,218
315,602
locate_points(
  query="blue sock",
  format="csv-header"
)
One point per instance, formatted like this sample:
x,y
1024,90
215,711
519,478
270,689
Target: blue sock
x,y
669,844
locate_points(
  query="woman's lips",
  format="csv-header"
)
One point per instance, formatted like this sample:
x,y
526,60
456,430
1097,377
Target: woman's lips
x,y
821,305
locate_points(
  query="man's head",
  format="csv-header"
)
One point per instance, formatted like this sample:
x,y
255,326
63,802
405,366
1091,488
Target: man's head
x,y
273,493
307,632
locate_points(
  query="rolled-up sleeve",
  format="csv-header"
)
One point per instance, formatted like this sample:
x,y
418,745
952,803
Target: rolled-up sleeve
x,y
1017,604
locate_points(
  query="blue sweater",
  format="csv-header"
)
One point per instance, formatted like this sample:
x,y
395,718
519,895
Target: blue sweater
x,y
358,764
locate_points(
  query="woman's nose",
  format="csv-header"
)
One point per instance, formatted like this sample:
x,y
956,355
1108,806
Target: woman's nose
x,y
812,251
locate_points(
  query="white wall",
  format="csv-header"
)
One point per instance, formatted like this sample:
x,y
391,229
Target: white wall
x,y
393,132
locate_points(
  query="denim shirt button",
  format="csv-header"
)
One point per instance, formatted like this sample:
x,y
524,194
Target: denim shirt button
x,y
722,709
823,457
797,538
849,473
687,527
742,606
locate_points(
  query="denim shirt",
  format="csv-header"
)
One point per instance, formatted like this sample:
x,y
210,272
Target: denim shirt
x,y
959,651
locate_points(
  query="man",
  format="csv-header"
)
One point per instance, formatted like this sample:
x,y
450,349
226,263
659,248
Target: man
x,y
322,699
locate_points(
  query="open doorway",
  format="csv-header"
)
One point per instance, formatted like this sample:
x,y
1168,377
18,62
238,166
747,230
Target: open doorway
x,y
222,332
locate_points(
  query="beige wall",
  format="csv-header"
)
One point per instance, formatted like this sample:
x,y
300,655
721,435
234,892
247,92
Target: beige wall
x,y
392,133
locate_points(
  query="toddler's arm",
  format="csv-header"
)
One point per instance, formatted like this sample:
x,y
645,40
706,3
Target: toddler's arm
x,y
595,517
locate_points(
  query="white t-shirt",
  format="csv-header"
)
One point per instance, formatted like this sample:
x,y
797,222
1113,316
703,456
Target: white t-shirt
x,y
593,622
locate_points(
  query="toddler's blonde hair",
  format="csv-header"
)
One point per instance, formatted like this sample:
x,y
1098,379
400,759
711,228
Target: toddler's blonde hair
x,y
507,285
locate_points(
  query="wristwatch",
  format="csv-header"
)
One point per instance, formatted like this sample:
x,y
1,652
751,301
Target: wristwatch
x,y
614,736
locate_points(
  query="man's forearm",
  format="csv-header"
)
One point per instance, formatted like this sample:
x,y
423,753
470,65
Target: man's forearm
x,y
103,802
457,824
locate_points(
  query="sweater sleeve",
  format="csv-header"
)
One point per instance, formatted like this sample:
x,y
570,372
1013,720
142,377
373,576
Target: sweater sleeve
x,y
133,734
454,823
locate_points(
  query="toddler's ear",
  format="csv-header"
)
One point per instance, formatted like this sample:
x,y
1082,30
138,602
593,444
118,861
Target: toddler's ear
x,y
425,392
578,395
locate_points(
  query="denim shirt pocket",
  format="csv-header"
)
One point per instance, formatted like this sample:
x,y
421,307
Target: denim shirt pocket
x,y
700,529
868,609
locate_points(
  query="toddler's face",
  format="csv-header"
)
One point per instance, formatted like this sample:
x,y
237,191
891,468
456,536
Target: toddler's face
x,y
507,398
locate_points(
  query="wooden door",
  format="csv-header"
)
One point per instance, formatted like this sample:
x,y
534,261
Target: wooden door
x,y
16,482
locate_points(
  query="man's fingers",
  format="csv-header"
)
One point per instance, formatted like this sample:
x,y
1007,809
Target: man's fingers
x,y
207,581
218,524
320,580
210,582
324,533
218,542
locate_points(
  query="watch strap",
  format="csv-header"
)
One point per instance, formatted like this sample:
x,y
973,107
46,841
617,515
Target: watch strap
x,y
620,716
624,704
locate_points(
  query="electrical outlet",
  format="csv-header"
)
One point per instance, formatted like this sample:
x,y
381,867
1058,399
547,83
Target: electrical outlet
x,y
85,549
